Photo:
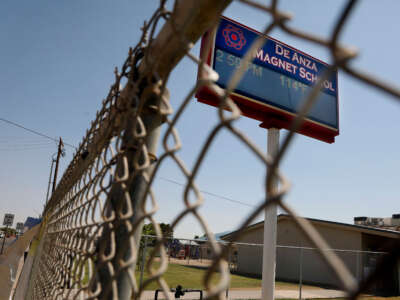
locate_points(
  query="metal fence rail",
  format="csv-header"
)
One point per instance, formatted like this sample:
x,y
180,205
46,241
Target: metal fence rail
x,y
93,221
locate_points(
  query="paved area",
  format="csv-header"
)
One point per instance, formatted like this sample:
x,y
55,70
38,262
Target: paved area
x,y
8,242
10,261
233,294
21,283
256,294
189,262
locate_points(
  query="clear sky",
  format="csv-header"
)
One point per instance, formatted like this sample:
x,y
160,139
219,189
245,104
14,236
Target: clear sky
x,y
57,60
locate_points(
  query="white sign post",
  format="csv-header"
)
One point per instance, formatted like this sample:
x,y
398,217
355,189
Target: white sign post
x,y
270,225
274,106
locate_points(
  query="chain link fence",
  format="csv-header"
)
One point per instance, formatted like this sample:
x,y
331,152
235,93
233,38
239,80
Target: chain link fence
x,y
92,224
297,268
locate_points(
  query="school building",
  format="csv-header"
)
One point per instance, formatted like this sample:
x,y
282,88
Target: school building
x,y
360,248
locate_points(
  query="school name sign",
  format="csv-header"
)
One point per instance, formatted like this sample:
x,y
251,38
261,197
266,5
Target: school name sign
x,y
275,83
301,68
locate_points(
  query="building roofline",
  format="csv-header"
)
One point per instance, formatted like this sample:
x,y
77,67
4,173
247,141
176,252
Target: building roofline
x,y
366,229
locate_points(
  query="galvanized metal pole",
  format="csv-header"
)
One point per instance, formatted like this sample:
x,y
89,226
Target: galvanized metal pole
x,y
270,225
169,253
229,269
152,121
143,260
301,273
190,244
358,266
189,20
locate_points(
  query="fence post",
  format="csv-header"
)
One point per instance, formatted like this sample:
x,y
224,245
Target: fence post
x,y
143,261
152,121
229,269
169,251
358,266
190,244
301,273
189,20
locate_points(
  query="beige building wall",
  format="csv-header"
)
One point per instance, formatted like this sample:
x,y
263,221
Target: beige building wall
x,y
249,259
314,269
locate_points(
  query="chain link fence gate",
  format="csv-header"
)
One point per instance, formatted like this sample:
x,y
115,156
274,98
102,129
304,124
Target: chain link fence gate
x,y
92,223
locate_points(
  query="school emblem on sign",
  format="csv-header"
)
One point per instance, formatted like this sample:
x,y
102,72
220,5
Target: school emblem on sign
x,y
234,37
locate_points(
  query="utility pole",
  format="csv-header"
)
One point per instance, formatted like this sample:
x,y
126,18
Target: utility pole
x,y
51,173
60,151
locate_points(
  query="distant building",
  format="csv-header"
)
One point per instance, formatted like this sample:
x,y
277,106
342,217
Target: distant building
x,y
205,248
217,237
392,223
31,222
359,247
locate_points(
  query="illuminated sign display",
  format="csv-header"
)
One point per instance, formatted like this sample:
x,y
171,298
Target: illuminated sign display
x,y
275,83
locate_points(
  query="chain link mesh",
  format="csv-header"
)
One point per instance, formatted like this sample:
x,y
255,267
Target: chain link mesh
x,y
93,221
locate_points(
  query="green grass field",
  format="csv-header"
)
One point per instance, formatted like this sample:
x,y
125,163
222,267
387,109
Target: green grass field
x,y
32,249
192,277
360,298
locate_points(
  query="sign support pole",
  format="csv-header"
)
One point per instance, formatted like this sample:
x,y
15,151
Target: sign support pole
x,y
4,239
270,226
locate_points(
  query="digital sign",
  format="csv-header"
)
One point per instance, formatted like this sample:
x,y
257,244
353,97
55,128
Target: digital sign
x,y
275,83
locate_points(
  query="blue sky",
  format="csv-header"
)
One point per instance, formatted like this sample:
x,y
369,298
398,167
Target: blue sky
x,y
57,60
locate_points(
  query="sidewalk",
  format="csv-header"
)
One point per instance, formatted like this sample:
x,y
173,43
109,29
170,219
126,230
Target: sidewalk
x,y
233,294
17,276
256,294
20,287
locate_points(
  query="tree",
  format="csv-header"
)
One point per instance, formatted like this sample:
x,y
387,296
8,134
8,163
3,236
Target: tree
x,y
8,231
167,232
148,229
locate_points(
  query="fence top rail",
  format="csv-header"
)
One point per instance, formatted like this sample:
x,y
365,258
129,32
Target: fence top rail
x,y
261,245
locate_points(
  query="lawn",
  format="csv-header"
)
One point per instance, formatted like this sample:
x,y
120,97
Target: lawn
x,y
360,298
192,277
32,249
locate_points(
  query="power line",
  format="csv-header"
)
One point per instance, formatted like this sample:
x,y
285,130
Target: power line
x,y
23,144
35,132
23,149
209,193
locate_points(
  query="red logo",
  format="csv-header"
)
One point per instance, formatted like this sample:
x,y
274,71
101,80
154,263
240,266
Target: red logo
x,y
234,37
